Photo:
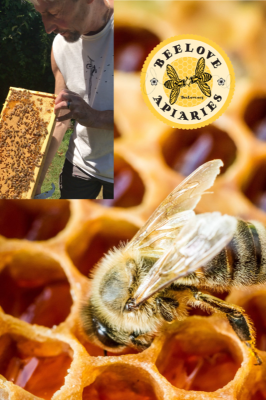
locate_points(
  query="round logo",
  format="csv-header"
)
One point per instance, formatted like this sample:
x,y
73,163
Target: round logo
x,y
187,81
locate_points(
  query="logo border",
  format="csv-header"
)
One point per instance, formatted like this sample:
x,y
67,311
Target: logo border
x,y
176,124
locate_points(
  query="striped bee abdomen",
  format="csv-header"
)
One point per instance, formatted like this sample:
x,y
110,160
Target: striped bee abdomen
x,y
243,260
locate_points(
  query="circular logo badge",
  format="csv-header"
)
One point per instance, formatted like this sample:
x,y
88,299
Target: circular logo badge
x,y
187,81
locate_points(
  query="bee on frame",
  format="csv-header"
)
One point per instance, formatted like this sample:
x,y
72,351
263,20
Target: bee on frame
x,y
152,280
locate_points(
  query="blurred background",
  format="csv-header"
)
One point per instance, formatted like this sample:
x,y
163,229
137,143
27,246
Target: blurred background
x,y
238,137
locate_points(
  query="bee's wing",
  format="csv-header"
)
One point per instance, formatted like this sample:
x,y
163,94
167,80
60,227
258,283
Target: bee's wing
x,y
200,67
158,233
205,88
171,72
202,238
174,95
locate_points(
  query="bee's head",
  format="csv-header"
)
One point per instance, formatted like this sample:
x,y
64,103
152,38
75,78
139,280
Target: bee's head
x,y
98,329
111,287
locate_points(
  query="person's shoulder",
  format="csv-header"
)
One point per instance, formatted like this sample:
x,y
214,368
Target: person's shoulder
x,y
58,39
58,42
60,45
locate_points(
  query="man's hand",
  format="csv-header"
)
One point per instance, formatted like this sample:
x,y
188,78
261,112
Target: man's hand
x,y
81,111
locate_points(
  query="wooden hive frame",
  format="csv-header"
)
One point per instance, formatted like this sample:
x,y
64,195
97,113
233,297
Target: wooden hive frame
x,y
47,118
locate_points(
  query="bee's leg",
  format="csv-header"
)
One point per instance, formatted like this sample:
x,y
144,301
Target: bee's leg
x,y
177,287
141,342
236,318
167,307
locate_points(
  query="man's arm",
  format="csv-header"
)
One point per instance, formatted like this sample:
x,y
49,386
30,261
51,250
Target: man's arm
x,y
60,127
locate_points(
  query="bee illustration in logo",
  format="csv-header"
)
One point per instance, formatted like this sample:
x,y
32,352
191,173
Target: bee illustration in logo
x,y
169,264
174,83
202,77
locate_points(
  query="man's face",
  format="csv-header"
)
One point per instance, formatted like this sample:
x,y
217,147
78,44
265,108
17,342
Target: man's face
x,y
67,17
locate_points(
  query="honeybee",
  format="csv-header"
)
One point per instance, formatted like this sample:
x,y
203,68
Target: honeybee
x,y
174,83
152,279
201,77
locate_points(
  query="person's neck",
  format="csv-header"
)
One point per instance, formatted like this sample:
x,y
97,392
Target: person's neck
x,y
106,15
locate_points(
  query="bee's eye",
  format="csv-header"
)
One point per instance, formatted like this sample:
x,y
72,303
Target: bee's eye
x,y
103,335
131,305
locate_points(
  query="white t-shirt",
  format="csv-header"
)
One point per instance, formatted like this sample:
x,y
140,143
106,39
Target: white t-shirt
x,y
88,69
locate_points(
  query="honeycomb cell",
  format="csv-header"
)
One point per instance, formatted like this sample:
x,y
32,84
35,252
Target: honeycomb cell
x,y
123,383
186,150
255,186
259,395
129,188
34,292
255,117
197,359
96,351
32,220
41,376
132,46
106,235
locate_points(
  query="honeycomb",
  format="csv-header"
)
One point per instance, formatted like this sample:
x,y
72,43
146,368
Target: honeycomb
x,y
26,127
48,248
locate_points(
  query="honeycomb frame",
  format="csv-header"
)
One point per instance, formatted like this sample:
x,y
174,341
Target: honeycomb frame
x,y
28,104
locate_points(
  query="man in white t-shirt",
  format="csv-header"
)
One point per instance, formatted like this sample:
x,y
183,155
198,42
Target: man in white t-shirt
x,y
82,63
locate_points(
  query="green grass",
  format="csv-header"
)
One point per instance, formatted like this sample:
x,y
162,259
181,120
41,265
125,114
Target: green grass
x,y
55,168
